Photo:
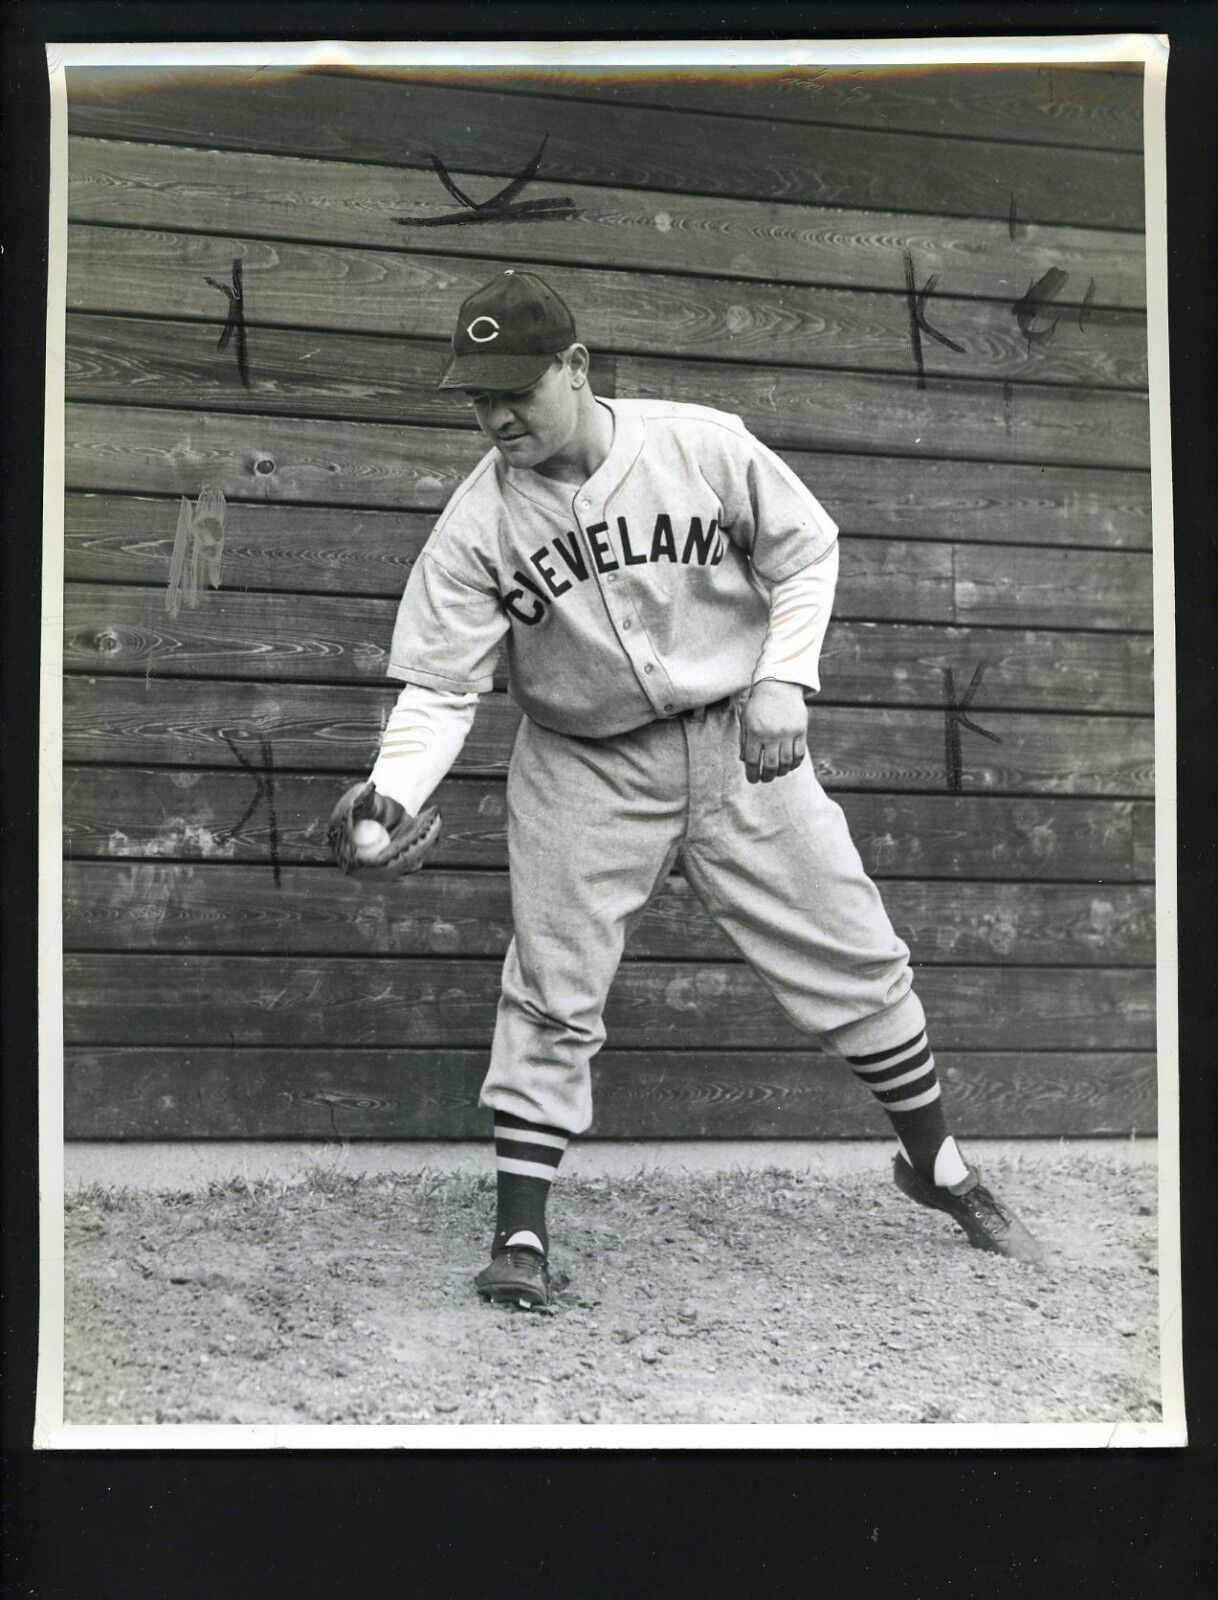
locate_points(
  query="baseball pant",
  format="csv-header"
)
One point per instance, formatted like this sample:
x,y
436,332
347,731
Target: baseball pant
x,y
595,825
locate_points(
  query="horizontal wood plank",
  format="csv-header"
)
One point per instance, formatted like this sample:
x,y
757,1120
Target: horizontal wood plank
x,y
358,464
263,458
208,1093
185,722
120,361
300,549
1144,842
179,906
1003,502
325,549
303,639
803,410
253,196
124,360
1053,588
403,123
1049,103
306,305
244,1000
167,813
327,554
370,554
297,1000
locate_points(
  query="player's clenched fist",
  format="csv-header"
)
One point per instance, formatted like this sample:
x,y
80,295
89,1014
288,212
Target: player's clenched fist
x,y
773,730
369,832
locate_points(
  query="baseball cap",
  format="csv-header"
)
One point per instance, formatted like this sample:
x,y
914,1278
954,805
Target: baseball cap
x,y
507,333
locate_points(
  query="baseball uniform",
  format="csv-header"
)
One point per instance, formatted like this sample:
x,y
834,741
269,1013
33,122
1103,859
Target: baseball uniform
x,y
644,567
634,612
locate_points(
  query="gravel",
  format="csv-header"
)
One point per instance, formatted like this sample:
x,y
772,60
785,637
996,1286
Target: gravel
x,y
739,1297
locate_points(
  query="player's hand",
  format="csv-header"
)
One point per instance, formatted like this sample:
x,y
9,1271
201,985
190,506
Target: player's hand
x,y
386,810
773,730
404,841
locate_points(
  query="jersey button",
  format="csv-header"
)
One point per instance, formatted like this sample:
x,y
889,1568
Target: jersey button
x,y
648,667
625,623
668,705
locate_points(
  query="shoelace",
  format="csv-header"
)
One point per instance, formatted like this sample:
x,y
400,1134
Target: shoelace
x,y
983,1205
521,1257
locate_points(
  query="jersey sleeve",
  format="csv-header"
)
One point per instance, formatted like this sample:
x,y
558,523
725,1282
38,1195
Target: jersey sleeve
x,y
800,607
422,739
448,629
769,512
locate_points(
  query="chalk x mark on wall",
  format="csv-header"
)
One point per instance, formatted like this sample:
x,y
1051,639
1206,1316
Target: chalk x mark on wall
x,y
955,715
1036,302
501,207
264,789
198,542
918,325
234,323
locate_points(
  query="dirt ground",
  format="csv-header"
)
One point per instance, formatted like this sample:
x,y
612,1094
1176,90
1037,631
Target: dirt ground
x,y
737,1297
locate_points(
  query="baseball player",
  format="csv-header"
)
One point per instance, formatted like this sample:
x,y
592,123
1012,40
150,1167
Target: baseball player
x,y
661,583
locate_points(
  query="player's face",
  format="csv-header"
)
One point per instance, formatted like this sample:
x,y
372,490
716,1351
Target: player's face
x,y
529,426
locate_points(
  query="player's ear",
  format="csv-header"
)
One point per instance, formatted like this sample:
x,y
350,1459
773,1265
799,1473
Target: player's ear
x,y
577,362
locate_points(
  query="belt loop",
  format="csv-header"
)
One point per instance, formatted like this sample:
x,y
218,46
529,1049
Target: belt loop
x,y
700,713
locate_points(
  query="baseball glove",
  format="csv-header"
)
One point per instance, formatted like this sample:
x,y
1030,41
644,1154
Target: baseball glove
x,y
408,846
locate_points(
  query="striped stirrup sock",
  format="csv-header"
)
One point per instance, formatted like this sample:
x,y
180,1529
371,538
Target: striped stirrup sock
x,y
527,1155
903,1079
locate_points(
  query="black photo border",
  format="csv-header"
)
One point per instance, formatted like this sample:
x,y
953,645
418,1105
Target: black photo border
x,y
666,1524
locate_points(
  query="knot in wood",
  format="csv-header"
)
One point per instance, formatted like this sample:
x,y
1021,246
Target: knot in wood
x,y
107,642
264,464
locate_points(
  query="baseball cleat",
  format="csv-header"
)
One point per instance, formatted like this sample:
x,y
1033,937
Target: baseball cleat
x,y
516,1276
971,1206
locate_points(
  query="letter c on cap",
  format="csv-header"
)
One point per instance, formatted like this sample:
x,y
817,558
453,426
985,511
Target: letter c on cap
x,y
483,338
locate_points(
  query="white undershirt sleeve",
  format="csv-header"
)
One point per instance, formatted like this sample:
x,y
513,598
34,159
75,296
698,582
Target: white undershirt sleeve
x,y
800,607
422,739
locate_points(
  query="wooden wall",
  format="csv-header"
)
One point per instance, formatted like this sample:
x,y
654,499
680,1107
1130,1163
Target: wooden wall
x,y
739,244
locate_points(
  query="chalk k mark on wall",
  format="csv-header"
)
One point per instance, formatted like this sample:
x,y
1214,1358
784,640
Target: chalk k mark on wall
x,y
918,325
264,789
954,712
501,207
199,542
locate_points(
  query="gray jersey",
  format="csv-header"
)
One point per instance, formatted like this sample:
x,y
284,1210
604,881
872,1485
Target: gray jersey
x,y
638,595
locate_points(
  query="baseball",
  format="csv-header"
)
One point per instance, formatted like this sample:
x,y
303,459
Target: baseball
x,y
369,838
